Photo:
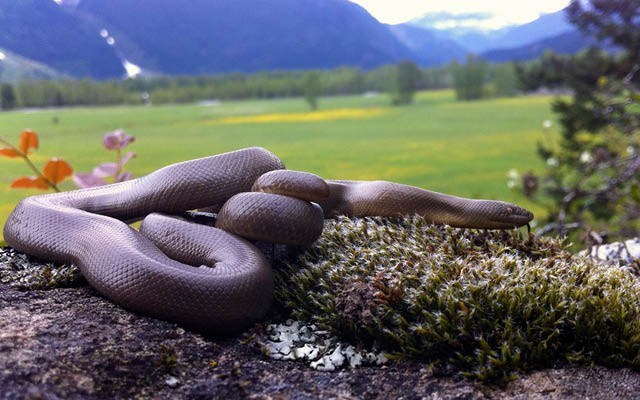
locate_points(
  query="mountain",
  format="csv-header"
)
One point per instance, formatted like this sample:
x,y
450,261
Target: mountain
x,y
14,68
113,38
546,26
564,43
515,43
461,28
478,40
44,32
208,36
429,49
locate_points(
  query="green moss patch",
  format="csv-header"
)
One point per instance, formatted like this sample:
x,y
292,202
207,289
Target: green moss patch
x,y
24,272
487,303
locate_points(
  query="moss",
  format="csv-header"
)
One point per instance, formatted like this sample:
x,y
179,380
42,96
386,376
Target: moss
x,y
25,272
168,358
488,303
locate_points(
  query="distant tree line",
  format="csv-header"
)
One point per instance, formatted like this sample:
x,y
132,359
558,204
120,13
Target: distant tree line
x,y
7,97
472,80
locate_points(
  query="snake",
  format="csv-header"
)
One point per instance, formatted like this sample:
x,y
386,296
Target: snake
x,y
213,278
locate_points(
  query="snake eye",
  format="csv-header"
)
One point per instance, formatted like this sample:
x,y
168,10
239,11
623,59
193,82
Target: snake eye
x,y
512,215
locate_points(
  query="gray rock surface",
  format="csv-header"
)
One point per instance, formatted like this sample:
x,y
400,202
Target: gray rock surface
x,y
626,252
69,343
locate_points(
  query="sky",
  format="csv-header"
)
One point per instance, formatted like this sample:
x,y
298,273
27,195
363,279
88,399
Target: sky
x,y
500,12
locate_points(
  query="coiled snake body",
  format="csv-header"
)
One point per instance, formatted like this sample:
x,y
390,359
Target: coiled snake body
x,y
201,276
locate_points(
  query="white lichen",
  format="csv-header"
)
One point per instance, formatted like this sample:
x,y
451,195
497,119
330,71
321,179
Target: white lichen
x,y
171,381
294,340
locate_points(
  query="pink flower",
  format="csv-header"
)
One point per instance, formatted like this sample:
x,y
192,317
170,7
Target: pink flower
x,y
108,172
87,180
125,176
125,159
116,140
106,169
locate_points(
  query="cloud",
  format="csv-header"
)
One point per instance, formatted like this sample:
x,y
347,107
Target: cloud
x,y
448,16
494,13
448,20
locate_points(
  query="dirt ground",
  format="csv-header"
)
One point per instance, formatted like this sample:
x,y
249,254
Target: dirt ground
x,y
70,343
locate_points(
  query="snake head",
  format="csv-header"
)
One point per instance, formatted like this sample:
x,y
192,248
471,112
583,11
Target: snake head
x,y
508,215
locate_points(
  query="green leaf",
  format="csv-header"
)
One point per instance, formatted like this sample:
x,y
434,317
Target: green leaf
x,y
635,193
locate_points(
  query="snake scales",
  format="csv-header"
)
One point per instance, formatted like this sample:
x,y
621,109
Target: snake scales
x,y
201,276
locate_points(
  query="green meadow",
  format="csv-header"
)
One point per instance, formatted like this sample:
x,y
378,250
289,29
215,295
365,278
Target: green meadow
x,y
462,148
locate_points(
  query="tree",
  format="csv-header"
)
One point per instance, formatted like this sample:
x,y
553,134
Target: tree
x,y
469,78
7,97
312,89
407,78
504,80
593,171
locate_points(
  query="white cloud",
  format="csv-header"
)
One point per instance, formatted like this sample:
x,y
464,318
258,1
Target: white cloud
x,y
2,56
503,12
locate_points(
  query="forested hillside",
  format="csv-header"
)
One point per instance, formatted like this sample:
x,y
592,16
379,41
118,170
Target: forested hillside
x,y
204,36
44,32
564,43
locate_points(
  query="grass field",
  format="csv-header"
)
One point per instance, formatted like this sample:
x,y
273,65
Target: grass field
x,y
462,148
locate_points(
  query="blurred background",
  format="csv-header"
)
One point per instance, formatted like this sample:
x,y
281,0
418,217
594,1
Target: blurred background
x,y
530,103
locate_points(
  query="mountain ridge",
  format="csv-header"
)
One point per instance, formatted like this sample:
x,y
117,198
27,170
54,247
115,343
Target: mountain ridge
x,y
44,32
97,38
14,68
477,40
428,47
299,34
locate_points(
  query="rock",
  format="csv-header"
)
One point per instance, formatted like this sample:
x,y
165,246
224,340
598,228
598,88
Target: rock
x,y
69,342
626,252
172,381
